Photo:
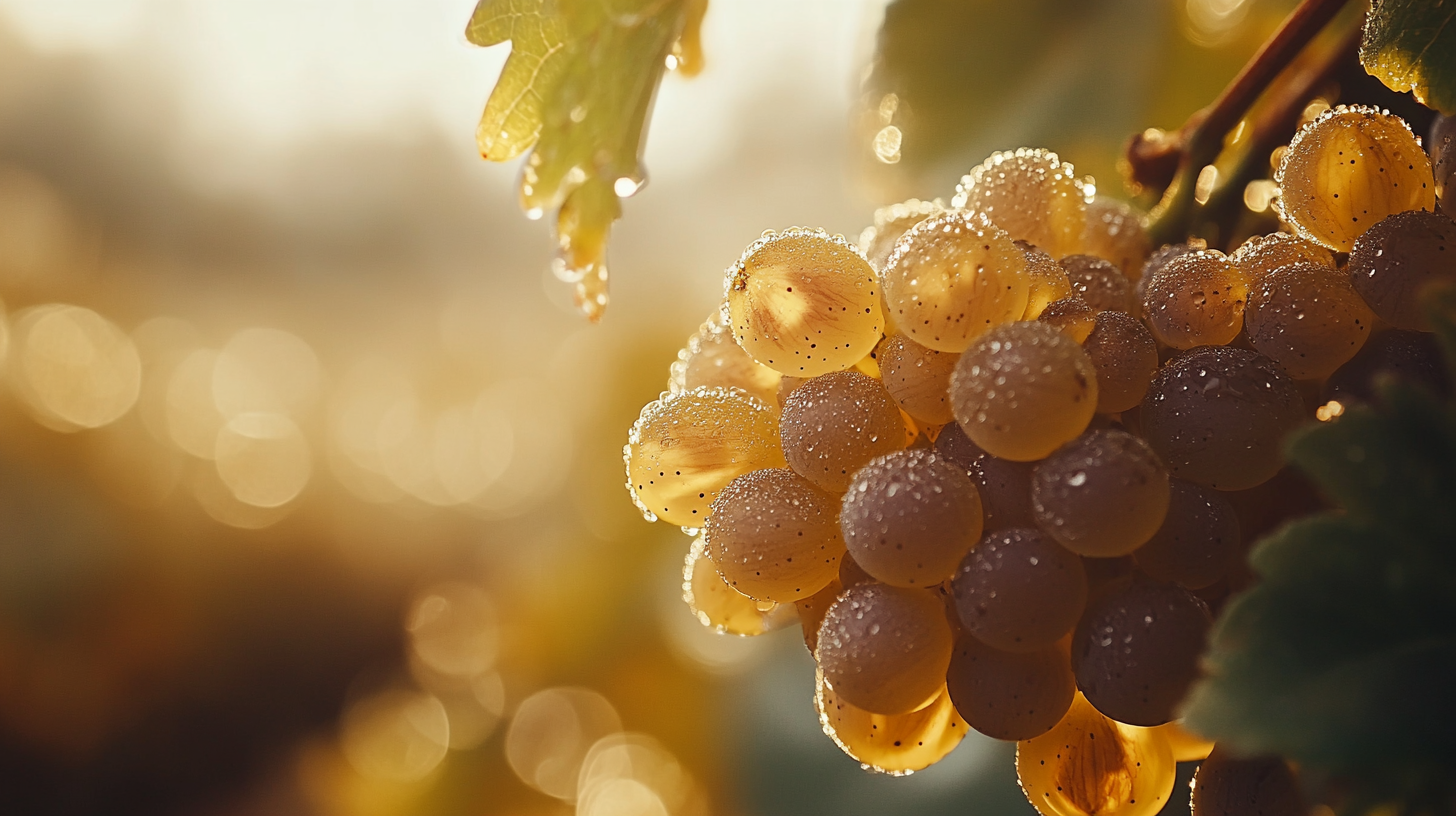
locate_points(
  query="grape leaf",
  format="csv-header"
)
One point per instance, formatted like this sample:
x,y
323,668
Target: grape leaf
x,y
1410,45
1343,657
579,85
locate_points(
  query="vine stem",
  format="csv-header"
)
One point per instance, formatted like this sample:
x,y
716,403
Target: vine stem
x,y
1201,138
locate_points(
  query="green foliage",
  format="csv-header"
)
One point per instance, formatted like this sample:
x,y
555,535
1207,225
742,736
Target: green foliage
x,y
1343,657
1410,45
579,85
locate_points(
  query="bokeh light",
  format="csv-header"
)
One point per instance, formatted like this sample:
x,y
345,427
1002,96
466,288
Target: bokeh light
x,y
74,368
395,735
551,733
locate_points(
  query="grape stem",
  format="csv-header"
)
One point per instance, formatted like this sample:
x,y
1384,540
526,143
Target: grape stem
x,y
1201,138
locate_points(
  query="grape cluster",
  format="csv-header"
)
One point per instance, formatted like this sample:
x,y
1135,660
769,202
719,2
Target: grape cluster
x,y
1000,458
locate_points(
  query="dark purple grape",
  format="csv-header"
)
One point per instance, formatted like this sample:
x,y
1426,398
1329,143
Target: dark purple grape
x,y
1395,260
1004,485
1226,786
1019,590
1198,541
1412,356
1010,695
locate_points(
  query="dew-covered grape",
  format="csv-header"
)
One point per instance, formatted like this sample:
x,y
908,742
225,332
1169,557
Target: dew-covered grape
x,y
894,744
1032,194
1004,485
918,378
1135,651
1022,390
1159,259
892,222
1010,695
909,518
775,536
1396,259
1018,590
1101,284
1217,416
1102,494
1229,786
1114,231
804,303
885,649
1263,254
1125,356
1349,169
1072,315
686,447
1308,319
835,423
1198,541
951,278
721,607
813,609
712,358
1047,281
1196,299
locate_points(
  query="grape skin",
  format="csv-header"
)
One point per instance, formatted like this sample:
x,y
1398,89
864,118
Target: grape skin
x,y
1263,254
895,744
1010,695
720,607
1228,786
885,649
1114,231
835,423
1125,356
1198,541
1308,319
775,536
713,358
1022,390
1395,260
892,222
686,447
952,277
1101,284
1155,263
1072,315
1349,169
1102,495
804,303
918,378
1047,281
1004,486
1018,590
1196,299
813,609
1031,194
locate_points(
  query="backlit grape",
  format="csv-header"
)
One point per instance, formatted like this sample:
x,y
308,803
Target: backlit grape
x,y
721,607
1198,541
775,536
1032,194
1046,279
1072,315
895,744
885,649
891,223
909,518
952,277
1010,695
1217,416
804,303
714,359
1114,231
1308,319
1196,299
1159,259
1018,590
1022,390
813,609
1101,284
1397,258
1004,485
918,378
1125,356
1229,786
1263,254
686,447
835,423
1089,765
1102,494
1347,170
1135,651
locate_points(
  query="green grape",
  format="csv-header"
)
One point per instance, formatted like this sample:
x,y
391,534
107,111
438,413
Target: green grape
x,y
1101,284
1135,651
894,744
909,518
1115,232
721,607
1396,259
1229,786
1196,299
1199,539
1263,254
804,303
1101,495
891,223
1089,765
775,536
1032,194
918,378
712,358
835,423
1022,390
1018,590
951,278
1047,281
1217,416
1308,319
1349,169
1010,695
1072,315
885,649
1004,486
1123,352
686,447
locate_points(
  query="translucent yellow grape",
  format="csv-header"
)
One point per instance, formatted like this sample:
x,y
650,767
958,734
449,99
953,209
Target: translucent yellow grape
x,y
918,378
952,278
1114,231
891,223
1263,254
1072,315
713,358
1349,169
804,303
1046,279
1196,299
1089,765
1308,319
895,744
686,447
1032,194
721,607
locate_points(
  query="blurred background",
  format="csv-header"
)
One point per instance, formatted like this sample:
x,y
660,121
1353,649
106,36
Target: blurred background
x,y
310,478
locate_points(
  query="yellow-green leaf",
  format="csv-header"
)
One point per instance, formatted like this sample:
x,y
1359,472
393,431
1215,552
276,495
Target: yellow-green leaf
x,y
1410,45
512,119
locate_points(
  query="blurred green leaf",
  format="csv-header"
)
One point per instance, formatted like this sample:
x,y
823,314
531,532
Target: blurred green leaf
x,y
1410,45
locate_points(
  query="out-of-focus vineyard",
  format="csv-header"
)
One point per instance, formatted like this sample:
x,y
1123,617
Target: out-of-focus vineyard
x,y
312,495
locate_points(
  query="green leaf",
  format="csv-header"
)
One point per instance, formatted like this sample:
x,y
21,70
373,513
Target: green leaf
x,y
1410,45
579,85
